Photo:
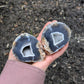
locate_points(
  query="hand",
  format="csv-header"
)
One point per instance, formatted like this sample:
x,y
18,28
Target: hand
x,y
43,65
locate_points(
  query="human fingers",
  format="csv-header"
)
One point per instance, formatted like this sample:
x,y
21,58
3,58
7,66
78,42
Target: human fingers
x,y
43,65
11,56
58,54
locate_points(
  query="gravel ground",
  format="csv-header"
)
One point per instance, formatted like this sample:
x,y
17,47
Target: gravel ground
x,y
18,16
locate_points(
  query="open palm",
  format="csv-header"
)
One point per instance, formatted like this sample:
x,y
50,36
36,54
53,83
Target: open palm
x,y
43,65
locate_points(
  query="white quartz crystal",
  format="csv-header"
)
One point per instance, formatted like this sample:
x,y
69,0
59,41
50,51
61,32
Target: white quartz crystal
x,y
57,37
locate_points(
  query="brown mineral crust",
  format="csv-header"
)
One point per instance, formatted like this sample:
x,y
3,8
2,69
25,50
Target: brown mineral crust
x,y
54,24
46,52
42,53
45,45
14,43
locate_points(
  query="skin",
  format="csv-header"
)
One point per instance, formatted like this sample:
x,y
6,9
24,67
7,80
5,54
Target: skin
x,y
43,65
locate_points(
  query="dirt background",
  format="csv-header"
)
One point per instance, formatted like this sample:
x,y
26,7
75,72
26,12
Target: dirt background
x,y
18,16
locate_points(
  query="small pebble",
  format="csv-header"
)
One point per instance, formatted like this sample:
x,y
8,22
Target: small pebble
x,y
54,65
57,3
13,29
78,41
23,6
36,34
64,18
36,19
25,3
37,27
1,21
69,67
78,7
82,77
53,77
42,19
15,25
61,12
6,53
7,45
22,31
16,34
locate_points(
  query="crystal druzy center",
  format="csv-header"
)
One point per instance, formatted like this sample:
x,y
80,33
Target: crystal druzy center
x,y
57,37
27,50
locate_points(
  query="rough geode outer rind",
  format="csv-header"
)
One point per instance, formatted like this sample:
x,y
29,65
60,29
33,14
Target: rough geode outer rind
x,y
24,40
55,36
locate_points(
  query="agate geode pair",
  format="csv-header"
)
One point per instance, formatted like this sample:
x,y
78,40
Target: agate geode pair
x,y
28,49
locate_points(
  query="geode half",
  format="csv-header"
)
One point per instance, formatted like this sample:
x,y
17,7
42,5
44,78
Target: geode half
x,y
55,36
27,48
